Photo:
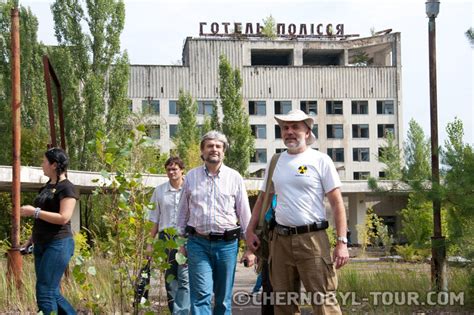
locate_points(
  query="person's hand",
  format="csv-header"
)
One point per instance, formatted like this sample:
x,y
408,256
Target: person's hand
x,y
149,250
252,240
341,255
183,251
248,259
27,211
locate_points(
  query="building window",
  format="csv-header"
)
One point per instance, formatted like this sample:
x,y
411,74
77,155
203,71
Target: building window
x,y
260,156
335,131
336,154
361,175
153,131
151,107
282,107
381,174
361,154
309,107
259,131
258,108
173,130
280,150
385,107
382,130
205,107
315,130
277,132
173,107
360,107
130,106
334,107
360,131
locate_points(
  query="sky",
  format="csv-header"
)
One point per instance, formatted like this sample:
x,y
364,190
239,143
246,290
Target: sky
x,y
155,31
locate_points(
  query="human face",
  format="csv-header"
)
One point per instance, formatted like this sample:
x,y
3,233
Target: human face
x,y
48,168
174,172
213,151
295,134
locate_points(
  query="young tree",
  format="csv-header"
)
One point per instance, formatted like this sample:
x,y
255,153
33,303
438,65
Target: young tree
x,y
188,135
34,108
391,158
215,122
93,72
459,187
417,154
269,27
235,124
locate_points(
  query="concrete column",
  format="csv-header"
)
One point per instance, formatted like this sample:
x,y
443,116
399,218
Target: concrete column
x,y
357,211
76,218
297,56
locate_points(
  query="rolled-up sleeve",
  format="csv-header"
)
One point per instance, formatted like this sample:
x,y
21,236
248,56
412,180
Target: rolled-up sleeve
x,y
242,206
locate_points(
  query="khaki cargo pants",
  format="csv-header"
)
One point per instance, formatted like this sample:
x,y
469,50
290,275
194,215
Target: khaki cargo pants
x,y
304,257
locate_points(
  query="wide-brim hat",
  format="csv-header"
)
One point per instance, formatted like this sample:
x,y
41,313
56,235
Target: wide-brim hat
x,y
298,115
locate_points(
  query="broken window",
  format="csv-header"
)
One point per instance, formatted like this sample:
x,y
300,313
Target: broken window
x,y
383,129
361,154
258,108
360,107
334,107
336,154
360,131
173,130
259,131
361,175
282,107
309,107
151,107
385,107
205,107
260,156
335,131
277,132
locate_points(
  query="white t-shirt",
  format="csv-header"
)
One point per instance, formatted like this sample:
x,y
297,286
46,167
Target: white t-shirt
x,y
301,182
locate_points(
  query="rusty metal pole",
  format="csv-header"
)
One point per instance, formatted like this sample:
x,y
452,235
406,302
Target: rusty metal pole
x,y
438,242
15,262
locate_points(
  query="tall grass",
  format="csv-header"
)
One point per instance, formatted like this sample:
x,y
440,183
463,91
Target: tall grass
x,y
360,278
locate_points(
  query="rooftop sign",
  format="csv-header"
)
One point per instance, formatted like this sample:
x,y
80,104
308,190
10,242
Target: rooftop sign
x,y
291,30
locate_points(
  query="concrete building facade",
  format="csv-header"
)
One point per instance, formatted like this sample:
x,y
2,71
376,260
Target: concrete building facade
x,y
351,87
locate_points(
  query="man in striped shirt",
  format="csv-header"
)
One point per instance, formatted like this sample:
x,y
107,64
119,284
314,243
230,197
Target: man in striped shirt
x,y
214,211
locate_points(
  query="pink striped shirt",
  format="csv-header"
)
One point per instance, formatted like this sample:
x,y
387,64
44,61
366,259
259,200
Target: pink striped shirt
x,y
213,203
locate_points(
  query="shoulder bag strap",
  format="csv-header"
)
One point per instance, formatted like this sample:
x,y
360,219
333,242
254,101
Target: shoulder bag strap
x,y
267,200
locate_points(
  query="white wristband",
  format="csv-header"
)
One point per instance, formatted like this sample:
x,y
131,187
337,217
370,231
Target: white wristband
x,y
37,213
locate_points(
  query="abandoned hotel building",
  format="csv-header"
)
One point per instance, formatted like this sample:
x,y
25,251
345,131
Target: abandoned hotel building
x,y
350,85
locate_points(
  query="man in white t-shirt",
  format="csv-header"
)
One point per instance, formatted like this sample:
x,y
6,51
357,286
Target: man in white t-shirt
x,y
299,249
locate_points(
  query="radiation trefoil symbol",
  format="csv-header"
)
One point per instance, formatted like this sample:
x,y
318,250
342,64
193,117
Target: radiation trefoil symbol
x,y
302,169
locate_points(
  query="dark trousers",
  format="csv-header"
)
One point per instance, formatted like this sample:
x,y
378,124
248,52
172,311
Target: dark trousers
x,y
267,307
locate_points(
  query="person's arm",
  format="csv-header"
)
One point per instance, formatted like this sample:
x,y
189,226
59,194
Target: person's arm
x,y
341,254
66,208
251,238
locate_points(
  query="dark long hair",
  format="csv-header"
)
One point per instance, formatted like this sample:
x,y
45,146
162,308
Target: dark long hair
x,y
58,156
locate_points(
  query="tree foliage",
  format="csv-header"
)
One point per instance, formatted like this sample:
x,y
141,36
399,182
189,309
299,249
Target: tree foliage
x,y
391,157
34,110
235,124
417,153
188,134
459,188
93,72
269,27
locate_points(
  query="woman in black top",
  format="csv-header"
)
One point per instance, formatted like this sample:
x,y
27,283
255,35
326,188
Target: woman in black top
x,y
52,236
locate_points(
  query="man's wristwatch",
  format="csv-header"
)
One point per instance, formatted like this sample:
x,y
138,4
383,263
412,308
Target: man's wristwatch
x,y
342,239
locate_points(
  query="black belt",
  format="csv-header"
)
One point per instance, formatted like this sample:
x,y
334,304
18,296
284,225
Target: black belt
x,y
290,230
228,235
